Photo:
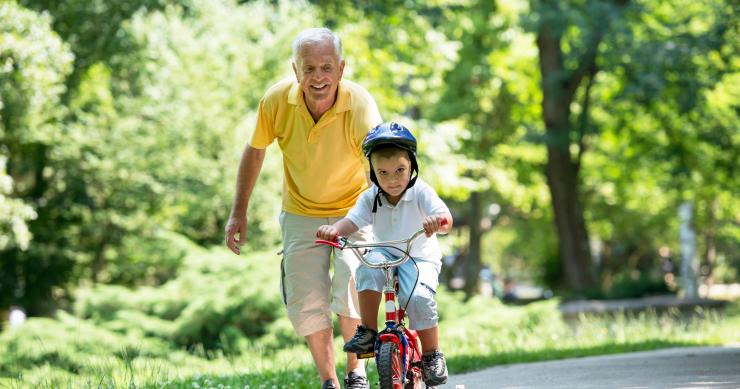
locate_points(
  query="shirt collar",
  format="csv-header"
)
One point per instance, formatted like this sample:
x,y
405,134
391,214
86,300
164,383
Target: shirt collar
x,y
343,103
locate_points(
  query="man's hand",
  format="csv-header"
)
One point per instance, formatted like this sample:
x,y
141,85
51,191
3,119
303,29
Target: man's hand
x,y
327,232
236,225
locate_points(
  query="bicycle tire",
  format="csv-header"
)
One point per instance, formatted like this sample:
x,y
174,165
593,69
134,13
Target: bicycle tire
x,y
389,366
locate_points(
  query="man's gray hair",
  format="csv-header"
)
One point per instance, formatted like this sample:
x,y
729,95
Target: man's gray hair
x,y
313,35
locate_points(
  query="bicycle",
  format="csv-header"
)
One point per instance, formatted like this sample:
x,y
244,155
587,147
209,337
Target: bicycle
x,y
397,349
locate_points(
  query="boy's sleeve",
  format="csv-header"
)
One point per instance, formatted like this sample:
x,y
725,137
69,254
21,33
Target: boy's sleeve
x,y
264,129
430,202
361,213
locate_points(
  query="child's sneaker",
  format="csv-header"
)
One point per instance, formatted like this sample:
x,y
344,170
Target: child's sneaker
x,y
435,368
362,342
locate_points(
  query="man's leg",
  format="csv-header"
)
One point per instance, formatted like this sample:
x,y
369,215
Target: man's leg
x,y
322,350
344,301
306,289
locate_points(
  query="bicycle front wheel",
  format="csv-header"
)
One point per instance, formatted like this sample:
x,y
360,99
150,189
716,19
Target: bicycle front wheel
x,y
390,369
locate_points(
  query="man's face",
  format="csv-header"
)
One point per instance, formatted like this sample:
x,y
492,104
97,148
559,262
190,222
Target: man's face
x,y
393,173
318,70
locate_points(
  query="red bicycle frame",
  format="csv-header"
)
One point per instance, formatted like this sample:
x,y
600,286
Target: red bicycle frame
x,y
397,351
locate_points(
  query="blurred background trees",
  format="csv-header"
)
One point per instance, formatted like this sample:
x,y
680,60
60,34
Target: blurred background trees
x,y
565,136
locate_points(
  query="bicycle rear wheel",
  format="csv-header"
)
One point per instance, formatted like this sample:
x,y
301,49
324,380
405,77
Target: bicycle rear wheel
x,y
389,366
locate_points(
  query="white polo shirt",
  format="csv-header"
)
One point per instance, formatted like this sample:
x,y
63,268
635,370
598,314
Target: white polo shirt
x,y
400,221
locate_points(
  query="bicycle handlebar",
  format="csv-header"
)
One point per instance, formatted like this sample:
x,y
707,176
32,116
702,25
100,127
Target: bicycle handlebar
x,y
343,243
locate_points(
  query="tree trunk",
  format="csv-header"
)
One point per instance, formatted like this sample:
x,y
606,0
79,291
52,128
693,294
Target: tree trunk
x,y
562,179
559,87
473,260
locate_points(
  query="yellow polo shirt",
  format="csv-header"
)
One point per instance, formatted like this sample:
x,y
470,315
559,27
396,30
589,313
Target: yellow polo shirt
x,y
323,163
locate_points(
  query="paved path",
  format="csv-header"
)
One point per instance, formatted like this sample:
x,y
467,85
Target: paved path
x,y
679,368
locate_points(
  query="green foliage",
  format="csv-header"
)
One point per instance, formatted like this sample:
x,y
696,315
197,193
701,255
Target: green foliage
x,y
14,232
122,122
194,95
206,305
663,139
68,343
150,133
71,352
33,64
631,285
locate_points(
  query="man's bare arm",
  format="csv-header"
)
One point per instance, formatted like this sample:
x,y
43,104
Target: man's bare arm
x,y
249,170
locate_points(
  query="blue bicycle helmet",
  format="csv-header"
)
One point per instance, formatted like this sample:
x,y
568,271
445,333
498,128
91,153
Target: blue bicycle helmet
x,y
390,134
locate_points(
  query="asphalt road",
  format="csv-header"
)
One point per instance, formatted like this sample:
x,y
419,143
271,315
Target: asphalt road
x,y
679,368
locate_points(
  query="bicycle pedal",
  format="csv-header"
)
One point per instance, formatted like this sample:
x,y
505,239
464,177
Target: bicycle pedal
x,y
365,355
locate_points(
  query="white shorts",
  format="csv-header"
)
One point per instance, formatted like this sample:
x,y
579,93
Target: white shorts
x,y
417,286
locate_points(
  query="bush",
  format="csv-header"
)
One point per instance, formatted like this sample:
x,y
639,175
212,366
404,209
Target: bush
x,y
633,285
67,343
214,299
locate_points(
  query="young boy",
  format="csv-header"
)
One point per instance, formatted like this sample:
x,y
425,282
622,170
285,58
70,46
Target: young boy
x,y
396,206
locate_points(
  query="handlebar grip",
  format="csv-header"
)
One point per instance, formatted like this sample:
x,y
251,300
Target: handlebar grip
x,y
328,242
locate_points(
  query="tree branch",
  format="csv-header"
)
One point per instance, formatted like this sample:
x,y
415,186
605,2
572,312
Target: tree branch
x,y
583,117
587,61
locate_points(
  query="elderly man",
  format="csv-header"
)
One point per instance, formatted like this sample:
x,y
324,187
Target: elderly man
x,y
319,121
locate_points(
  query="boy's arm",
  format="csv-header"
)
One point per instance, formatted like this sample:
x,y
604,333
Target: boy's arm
x,y
343,227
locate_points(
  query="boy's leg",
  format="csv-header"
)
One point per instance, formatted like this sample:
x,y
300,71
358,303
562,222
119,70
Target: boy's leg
x,y
421,308
364,337
369,303
423,317
369,284
429,339
433,361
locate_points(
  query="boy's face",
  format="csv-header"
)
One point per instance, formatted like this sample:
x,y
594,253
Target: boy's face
x,y
393,173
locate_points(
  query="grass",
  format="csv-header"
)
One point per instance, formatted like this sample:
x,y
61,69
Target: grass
x,y
474,335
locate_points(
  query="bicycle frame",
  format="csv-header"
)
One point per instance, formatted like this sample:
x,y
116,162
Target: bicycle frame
x,y
395,331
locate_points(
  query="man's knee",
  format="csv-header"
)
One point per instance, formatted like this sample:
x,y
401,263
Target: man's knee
x,y
306,325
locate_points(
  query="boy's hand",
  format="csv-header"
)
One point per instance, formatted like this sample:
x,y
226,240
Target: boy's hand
x,y
327,232
432,224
